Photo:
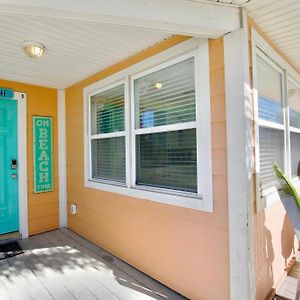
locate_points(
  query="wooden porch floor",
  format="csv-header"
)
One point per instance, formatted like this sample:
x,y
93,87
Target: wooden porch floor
x,y
62,265
290,287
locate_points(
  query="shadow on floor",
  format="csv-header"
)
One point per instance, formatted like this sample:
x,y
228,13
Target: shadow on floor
x,y
73,262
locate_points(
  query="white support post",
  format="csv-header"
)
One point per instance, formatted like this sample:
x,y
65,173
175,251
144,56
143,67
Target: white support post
x,y
61,113
239,156
22,161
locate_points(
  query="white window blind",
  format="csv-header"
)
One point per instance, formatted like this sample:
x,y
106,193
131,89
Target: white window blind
x,y
269,82
294,114
271,149
108,111
166,96
165,128
295,154
294,104
270,113
168,160
108,135
109,159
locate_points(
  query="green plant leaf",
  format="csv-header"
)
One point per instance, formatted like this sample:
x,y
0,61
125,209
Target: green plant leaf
x,y
289,186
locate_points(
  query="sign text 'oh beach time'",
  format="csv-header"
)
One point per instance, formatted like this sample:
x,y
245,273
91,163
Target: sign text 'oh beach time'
x,y
42,150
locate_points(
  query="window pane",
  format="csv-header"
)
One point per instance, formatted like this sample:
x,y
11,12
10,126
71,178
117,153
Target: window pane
x,y
294,104
269,92
271,143
167,160
166,96
107,110
295,153
108,157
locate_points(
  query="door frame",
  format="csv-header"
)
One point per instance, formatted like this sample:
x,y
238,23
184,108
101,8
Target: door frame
x,y
22,162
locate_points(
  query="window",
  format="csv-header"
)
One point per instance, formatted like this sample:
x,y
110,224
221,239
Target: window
x,y
148,133
165,128
294,114
277,120
270,118
108,135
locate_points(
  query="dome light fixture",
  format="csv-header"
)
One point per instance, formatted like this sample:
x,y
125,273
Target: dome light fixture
x,y
158,85
33,49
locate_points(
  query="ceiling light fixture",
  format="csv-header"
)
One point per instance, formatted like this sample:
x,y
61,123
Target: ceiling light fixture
x,y
158,85
33,49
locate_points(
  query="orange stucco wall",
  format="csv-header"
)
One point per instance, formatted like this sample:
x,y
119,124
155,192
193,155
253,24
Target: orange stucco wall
x,y
273,234
42,208
183,248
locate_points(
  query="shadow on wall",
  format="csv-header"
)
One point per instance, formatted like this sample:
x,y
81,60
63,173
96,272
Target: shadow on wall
x,y
274,245
264,256
287,239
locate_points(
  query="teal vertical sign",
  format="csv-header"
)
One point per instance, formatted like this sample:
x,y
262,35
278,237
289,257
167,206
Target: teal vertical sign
x,y
42,154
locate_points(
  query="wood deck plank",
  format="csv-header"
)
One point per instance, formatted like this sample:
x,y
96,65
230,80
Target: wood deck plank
x,y
62,265
115,280
55,288
14,285
3,292
81,270
114,262
63,271
34,287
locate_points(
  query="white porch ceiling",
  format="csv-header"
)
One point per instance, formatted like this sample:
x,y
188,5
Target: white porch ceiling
x,y
74,50
83,37
279,19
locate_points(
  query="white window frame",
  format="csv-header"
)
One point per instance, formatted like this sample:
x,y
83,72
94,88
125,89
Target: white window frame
x,y
291,129
167,128
297,83
203,200
21,99
99,136
260,47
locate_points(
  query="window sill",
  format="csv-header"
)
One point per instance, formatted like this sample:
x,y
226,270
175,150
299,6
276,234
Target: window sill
x,y
186,200
272,195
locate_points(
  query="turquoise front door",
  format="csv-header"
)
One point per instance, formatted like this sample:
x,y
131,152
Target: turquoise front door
x,y
9,207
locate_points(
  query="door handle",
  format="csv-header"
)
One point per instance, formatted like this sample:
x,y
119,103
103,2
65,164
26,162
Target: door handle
x,y
13,176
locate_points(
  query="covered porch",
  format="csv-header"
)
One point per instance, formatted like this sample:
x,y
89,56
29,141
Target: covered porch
x,y
60,264
159,153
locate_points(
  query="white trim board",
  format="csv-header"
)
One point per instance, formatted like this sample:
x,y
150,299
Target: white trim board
x,y
22,163
173,16
62,173
239,157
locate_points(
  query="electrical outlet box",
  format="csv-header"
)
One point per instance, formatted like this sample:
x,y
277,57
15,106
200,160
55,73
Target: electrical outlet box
x,y
73,209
